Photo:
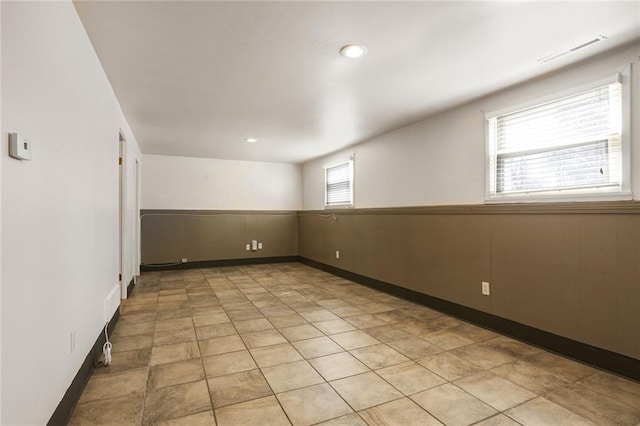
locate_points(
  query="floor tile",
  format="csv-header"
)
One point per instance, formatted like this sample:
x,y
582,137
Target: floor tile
x,y
379,356
313,404
483,355
258,412
347,311
374,308
387,333
319,315
333,303
238,387
625,391
204,418
174,353
512,347
173,324
445,403
131,343
287,320
414,347
180,335
268,356
337,366
447,340
410,378
319,346
334,326
135,318
232,362
365,390
300,332
498,420
210,319
106,386
399,412
593,406
124,410
244,315
221,345
175,313
541,411
232,312
216,330
366,321
352,419
258,339
559,366
537,380
176,401
205,311
499,393
247,326
354,339
164,375
291,376
474,332
133,329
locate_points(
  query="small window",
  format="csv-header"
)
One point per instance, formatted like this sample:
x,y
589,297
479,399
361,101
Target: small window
x,y
569,146
339,184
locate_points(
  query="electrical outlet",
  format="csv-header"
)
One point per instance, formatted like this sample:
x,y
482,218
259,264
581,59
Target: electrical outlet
x,y
259,246
247,247
184,260
486,289
337,254
72,341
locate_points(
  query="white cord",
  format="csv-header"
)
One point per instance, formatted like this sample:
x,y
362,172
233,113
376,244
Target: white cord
x,y
106,348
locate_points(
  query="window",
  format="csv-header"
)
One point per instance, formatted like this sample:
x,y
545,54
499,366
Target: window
x,y
339,184
569,146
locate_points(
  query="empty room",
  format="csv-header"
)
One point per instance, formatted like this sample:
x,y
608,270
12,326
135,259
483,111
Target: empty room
x,y
320,212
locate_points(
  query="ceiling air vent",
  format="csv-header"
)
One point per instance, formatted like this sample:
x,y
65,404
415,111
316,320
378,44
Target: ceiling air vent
x,y
573,49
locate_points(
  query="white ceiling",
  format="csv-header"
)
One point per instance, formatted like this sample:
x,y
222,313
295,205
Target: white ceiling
x,y
197,78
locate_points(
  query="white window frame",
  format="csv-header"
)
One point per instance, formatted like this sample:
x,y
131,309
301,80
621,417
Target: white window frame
x,y
326,186
616,193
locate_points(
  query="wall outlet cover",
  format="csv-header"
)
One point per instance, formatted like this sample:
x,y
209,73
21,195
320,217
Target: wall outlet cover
x,y
486,288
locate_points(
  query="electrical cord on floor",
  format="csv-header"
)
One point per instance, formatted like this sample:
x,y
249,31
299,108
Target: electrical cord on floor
x,y
106,348
105,358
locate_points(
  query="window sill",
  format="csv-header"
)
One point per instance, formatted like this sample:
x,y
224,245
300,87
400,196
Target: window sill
x,y
565,198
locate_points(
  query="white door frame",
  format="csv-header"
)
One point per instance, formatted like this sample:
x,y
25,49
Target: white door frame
x,y
122,168
137,213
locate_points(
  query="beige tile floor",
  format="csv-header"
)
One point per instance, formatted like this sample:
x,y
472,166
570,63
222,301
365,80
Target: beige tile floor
x,y
287,344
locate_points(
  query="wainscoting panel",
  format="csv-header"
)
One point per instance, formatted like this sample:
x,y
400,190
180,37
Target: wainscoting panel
x,y
168,236
568,269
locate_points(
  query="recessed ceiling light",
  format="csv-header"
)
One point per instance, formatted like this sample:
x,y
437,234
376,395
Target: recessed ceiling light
x,y
251,140
353,51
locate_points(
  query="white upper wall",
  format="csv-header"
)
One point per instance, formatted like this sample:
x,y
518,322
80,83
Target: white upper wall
x,y
186,183
60,210
441,160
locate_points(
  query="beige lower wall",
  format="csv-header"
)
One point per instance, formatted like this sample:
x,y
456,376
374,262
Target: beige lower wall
x,y
573,270
167,236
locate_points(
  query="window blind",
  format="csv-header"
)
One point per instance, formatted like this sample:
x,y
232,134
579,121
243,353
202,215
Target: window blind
x,y
338,184
567,144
